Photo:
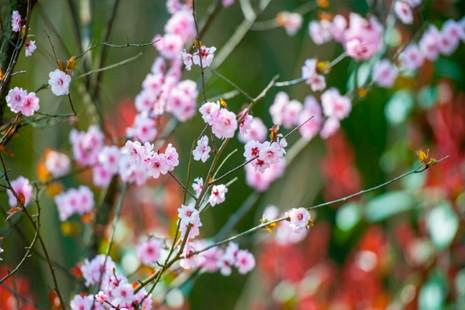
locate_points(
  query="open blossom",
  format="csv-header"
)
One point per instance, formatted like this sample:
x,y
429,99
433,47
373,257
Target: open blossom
x,y
257,131
137,151
245,261
30,47
190,262
210,112
202,151
182,24
82,302
188,214
101,297
194,230
74,201
272,152
15,21
57,163
285,112
290,21
330,127
108,158
208,53
403,11
30,105
225,124
252,149
411,58
16,98
298,219
227,3
131,172
450,37
172,157
319,31
309,73
23,189
311,109
101,176
363,38
149,251
430,42
59,81
245,123
169,46
181,101
337,28
218,194
335,105
156,164
228,259
91,270
143,128
385,73
197,186
144,101
86,145
259,180
153,85
187,60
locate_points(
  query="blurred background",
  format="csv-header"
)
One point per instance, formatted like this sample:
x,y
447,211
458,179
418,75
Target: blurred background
x,y
399,247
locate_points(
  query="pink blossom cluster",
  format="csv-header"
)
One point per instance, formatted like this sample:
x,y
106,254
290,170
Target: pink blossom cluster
x,y
298,219
57,163
336,107
23,189
260,181
208,53
285,112
59,82
284,234
361,37
107,167
216,259
265,154
115,290
309,72
149,251
291,22
19,100
86,145
75,201
189,217
155,163
403,10
222,121
16,21
254,129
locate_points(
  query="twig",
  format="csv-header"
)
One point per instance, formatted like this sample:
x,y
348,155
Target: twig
x,y
182,185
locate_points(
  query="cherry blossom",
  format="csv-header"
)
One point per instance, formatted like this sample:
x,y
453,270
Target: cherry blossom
x,y
285,112
194,228
16,98
188,214
335,105
149,251
136,151
30,47
252,149
59,81
101,297
260,181
108,157
57,163
227,3
30,105
15,21
74,201
187,60
210,112
430,42
311,110
131,172
272,152
363,37
309,72
290,21
450,37
245,123
257,131
182,100
218,194
197,186
385,73
411,58
182,24
208,53
330,127
143,128
80,302
225,124
338,27
91,270
190,262
23,189
172,157
86,145
298,219
245,261
228,259
101,176
156,164
320,31
169,46
202,151
403,11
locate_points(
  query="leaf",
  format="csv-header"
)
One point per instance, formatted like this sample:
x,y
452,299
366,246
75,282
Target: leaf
x,y
442,225
399,106
387,205
347,216
433,292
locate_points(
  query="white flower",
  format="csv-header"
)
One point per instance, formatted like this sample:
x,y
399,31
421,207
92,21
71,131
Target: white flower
x,y
59,81
202,151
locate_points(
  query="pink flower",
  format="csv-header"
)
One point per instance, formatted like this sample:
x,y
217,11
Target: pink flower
x,y
169,46
172,157
430,42
227,3
330,127
57,163
156,164
131,172
218,194
208,53
363,38
187,60
153,85
245,123
312,78
136,151
411,58
225,124
191,262
143,128
23,190
30,47
462,27
158,66
30,105
277,108
101,297
311,128
91,270
210,112
124,293
272,152
182,24
75,201
15,21
403,11
450,37
202,151
149,251
16,98
108,158
298,219
86,145
338,28
182,100
188,214
194,231
284,235
245,261
320,31
252,149
197,186
80,302
227,260
144,101
257,131
101,176
335,105
59,81
260,181
208,260
290,21
385,73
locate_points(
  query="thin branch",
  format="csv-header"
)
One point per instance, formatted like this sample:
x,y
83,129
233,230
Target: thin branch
x,y
232,84
182,185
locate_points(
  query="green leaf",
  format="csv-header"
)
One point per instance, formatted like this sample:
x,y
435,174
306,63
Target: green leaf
x,y
442,225
399,106
433,292
347,216
388,204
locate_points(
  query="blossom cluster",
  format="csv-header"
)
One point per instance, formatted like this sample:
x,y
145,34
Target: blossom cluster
x,y
263,155
19,100
115,290
207,53
222,121
75,201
